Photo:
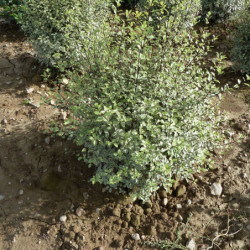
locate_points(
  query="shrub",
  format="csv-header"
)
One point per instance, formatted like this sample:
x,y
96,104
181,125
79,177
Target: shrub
x,y
10,9
168,8
59,30
221,9
142,111
240,54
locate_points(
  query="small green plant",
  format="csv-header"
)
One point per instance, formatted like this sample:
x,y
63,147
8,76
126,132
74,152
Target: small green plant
x,y
60,31
240,53
142,110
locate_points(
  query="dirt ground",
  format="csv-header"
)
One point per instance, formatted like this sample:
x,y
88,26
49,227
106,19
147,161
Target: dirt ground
x,y
42,183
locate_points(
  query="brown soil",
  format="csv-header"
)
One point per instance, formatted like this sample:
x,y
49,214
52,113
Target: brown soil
x,y
41,179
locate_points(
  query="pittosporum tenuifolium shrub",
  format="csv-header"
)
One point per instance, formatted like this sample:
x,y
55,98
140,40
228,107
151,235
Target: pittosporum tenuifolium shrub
x,y
60,30
220,10
240,53
166,9
142,111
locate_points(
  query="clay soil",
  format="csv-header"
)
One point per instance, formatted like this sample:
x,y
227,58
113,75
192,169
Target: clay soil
x,y
41,179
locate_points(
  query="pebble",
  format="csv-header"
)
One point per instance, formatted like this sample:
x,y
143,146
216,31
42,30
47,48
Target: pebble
x,y
98,210
65,81
4,121
135,236
178,206
1,197
248,227
116,212
216,189
20,192
47,140
52,102
63,218
181,190
59,168
165,201
29,90
63,115
191,244
189,202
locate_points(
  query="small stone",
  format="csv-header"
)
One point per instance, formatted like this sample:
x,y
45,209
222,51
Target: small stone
x,y
180,218
248,227
165,201
98,210
65,81
20,192
191,244
63,115
116,212
181,190
143,237
43,86
85,195
52,102
216,189
47,140
4,121
59,168
1,197
135,236
163,194
29,90
178,206
63,218
79,211
189,202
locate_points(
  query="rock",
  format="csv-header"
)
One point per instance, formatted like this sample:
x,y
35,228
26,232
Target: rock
x,y
216,189
248,227
241,244
163,193
116,212
151,230
191,244
47,140
20,192
189,202
148,204
135,220
135,236
59,168
63,115
98,210
181,190
4,121
1,197
178,206
29,90
79,211
65,81
63,218
165,202
52,102
80,237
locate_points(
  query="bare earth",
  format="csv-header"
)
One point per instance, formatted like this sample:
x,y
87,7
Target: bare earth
x,y
41,179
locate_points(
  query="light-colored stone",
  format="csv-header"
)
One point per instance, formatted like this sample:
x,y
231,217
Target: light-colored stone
x,y
191,244
63,115
1,197
21,192
189,202
65,81
165,201
29,90
79,211
47,140
63,218
178,206
216,189
136,236
59,168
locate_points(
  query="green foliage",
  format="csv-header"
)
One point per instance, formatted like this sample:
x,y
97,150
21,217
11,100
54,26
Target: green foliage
x,y
166,9
10,9
220,10
142,109
240,53
59,30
